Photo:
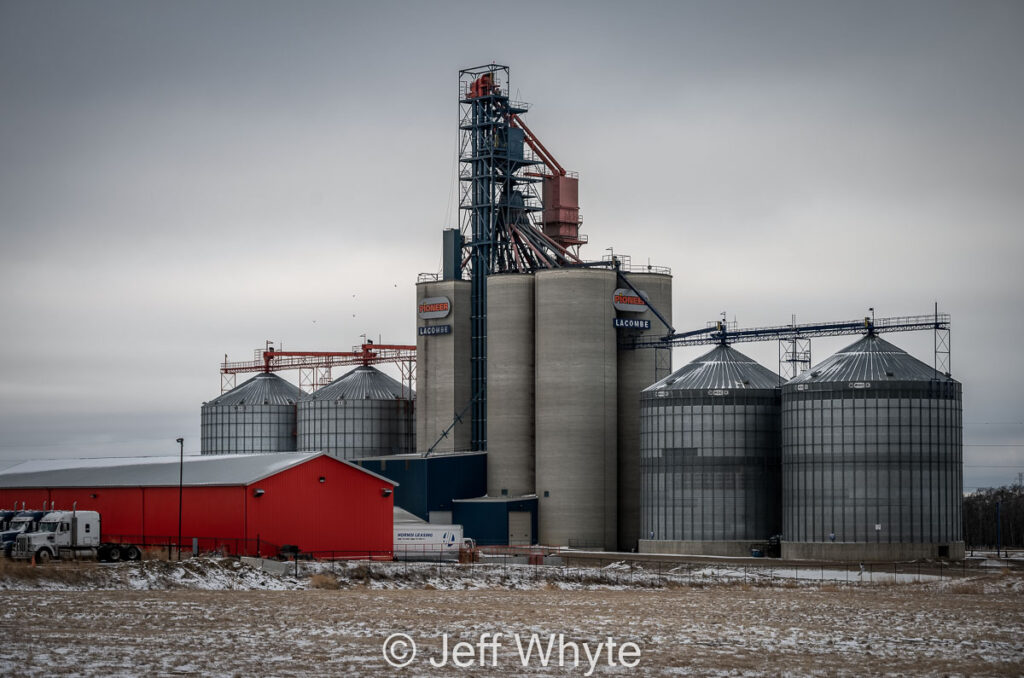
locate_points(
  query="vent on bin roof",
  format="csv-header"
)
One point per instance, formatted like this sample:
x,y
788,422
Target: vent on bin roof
x,y
362,383
263,389
721,368
870,359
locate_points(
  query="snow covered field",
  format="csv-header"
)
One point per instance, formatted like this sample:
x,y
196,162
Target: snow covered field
x,y
210,617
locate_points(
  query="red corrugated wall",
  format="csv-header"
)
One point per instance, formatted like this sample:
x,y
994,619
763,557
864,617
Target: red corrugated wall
x,y
33,499
147,514
346,513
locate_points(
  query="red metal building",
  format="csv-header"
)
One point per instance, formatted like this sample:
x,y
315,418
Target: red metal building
x,y
230,502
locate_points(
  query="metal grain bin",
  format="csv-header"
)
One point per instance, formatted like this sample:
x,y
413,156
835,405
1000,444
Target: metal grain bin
x,y
256,416
576,365
872,458
510,365
710,450
364,413
638,369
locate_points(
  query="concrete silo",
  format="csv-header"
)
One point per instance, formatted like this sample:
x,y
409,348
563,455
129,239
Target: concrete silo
x,y
363,413
576,433
443,365
710,453
510,385
872,458
256,416
638,369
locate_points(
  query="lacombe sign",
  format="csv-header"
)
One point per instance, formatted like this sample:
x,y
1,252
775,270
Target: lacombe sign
x,y
631,323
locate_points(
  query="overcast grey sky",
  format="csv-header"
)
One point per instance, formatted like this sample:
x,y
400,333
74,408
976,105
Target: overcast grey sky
x,y
182,180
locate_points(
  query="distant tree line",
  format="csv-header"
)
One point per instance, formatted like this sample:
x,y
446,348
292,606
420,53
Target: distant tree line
x,y
980,516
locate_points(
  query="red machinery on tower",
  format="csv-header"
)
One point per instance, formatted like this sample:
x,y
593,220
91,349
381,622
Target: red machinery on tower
x,y
561,219
560,190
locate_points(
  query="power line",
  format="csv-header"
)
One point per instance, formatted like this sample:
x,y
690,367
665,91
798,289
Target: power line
x,y
988,466
994,423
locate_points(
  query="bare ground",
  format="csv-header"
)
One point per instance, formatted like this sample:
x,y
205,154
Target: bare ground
x,y
710,630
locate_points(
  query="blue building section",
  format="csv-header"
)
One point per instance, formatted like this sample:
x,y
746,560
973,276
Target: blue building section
x,y
431,483
498,521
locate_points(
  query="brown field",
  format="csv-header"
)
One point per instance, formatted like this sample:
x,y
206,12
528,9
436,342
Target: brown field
x,y
726,629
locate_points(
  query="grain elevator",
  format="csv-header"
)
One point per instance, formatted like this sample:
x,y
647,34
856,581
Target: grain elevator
x,y
518,338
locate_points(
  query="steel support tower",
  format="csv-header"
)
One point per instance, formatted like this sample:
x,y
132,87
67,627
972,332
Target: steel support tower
x,y
498,199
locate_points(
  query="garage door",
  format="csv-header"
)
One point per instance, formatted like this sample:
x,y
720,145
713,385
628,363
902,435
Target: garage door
x,y
519,528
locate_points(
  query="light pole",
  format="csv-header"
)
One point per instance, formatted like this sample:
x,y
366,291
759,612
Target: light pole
x,y
999,530
181,473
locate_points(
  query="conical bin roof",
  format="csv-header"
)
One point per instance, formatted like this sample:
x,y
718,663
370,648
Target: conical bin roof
x,y
721,368
870,359
363,383
263,389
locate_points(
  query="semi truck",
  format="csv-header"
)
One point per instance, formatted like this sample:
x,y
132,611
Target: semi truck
x,y
70,534
423,541
22,521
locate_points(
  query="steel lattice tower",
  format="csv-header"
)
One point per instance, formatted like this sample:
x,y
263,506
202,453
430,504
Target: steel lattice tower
x,y
498,201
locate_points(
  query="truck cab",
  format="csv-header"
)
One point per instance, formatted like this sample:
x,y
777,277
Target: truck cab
x,y
60,531
23,521
5,519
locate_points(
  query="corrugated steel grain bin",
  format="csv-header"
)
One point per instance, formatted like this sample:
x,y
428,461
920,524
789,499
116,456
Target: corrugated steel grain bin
x,y
872,458
710,453
256,416
363,413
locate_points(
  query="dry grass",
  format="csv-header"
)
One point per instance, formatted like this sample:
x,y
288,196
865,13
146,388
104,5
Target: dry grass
x,y
72,573
967,588
675,585
156,553
360,571
324,581
13,568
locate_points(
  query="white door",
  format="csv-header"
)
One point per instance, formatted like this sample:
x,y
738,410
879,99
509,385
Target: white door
x,y
519,528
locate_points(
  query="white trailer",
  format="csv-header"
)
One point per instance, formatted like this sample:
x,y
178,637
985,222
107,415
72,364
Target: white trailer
x,y
70,534
423,541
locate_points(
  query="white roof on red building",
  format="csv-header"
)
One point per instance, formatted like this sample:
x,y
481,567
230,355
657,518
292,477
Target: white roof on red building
x,y
204,470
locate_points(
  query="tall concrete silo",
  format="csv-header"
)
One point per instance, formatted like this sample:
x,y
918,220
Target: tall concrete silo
x,y
576,433
872,458
638,369
510,385
710,453
256,416
442,365
363,413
